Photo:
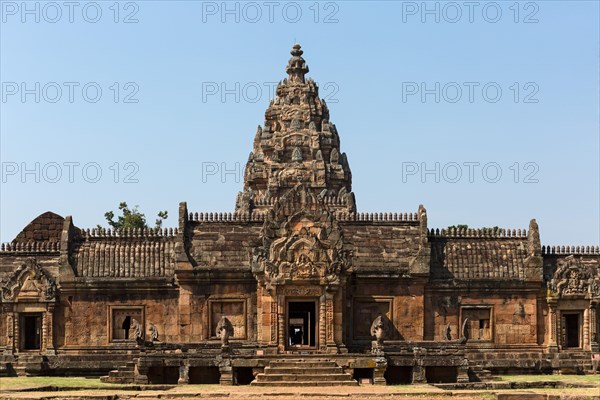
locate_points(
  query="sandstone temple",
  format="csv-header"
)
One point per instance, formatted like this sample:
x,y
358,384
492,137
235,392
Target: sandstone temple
x,y
296,286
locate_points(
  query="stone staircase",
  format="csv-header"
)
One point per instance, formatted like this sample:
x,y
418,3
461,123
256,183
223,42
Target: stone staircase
x,y
303,372
29,365
124,374
575,362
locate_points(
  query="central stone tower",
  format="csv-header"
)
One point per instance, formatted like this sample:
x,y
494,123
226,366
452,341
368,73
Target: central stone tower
x,y
298,146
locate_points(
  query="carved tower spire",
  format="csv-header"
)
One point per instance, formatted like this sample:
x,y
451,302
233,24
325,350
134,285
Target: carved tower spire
x,y
297,146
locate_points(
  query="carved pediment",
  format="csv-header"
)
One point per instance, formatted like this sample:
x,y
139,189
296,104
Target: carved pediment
x,y
301,240
29,282
574,278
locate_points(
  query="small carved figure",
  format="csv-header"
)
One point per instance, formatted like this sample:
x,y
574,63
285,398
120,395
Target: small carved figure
x,y
137,328
448,333
224,331
296,154
464,332
334,157
153,332
378,330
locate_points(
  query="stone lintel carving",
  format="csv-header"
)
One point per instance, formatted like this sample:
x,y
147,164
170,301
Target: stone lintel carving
x,y
574,278
301,241
31,281
302,291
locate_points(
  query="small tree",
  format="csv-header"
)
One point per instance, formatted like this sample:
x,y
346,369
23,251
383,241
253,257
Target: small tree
x,y
132,218
493,229
458,227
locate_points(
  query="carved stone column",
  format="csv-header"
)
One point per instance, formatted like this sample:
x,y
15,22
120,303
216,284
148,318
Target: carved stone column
x,y
339,320
552,328
281,322
10,330
330,323
50,330
323,322
259,315
16,332
586,329
273,320
594,327
44,329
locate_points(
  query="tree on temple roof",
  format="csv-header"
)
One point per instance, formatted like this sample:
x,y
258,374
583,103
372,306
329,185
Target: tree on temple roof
x,y
132,218
464,227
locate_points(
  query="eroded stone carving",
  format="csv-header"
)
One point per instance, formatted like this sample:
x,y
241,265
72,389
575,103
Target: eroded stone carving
x,y
153,332
378,331
31,280
224,330
448,332
137,329
464,332
301,240
574,278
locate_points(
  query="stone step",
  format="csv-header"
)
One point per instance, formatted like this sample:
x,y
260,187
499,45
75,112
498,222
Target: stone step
x,y
306,364
121,374
306,383
301,371
303,377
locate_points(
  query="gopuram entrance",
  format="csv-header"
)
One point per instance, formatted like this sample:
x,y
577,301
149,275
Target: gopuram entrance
x,y
301,324
301,271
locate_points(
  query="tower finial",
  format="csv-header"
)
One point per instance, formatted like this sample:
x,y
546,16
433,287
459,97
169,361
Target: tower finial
x,y
296,67
296,50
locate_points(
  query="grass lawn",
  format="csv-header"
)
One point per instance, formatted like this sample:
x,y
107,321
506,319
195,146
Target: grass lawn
x,y
37,381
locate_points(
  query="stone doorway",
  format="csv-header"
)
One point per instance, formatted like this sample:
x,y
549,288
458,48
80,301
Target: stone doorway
x,y
31,332
302,322
572,331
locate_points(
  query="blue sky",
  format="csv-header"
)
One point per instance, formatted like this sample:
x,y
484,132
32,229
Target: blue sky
x,y
509,87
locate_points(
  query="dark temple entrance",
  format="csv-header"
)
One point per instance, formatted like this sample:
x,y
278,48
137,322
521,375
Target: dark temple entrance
x,y
302,324
572,330
31,333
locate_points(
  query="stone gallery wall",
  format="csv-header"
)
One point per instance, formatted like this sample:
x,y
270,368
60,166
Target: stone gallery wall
x,y
85,320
